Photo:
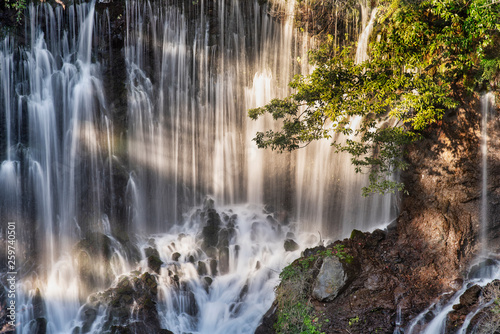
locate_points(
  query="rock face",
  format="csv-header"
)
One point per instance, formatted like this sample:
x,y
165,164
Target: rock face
x,y
429,249
483,303
134,294
330,280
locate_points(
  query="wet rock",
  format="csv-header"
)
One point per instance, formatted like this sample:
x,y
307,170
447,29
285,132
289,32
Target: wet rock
x,y
233,219
268,321
469,302
470,296
243,292
88,316
38,304
213,267
290,245
202,268
290,235
176,256
330,281
38,326
223,238
192,306
208,280
208,204
154,263
210,232
150,251
237,251
129,305
224,260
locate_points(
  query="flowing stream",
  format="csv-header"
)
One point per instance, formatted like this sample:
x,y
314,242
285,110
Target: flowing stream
x,y
107,151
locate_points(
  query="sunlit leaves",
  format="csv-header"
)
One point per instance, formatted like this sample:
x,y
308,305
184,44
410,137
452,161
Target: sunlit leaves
x,y
423,49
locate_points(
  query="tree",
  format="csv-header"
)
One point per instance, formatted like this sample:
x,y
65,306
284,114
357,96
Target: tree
x,y
423,50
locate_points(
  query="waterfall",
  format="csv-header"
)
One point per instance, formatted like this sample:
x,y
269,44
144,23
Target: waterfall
x,y
362,48
94,173
487,100
325,181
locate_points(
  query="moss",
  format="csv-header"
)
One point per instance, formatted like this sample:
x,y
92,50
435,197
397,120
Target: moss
x,y
357,234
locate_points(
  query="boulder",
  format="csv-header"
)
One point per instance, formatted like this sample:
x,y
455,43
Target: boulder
x,y
202,268
176,256
210,232
150,251
330,281
290,245
154,263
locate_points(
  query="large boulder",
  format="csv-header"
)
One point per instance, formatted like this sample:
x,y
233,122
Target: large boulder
x,y
330,281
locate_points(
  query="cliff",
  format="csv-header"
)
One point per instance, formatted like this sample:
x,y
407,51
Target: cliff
x,y
399,272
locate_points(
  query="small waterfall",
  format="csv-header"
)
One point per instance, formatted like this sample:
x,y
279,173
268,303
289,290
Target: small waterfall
x,y
362,48
487,101
326,183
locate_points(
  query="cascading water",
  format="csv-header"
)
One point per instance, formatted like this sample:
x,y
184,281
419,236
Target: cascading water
x,y
487,100
326,184
93,186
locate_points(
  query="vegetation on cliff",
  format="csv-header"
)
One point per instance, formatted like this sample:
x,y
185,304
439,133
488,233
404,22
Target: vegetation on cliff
x,y
421,52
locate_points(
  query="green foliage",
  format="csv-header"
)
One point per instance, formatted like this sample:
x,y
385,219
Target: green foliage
x,y
297,319
423,50
353,321
18,5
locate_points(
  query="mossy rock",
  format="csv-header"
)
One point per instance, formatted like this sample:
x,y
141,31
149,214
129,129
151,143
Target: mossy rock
x,y
154,263
357,235
290,245
151,251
